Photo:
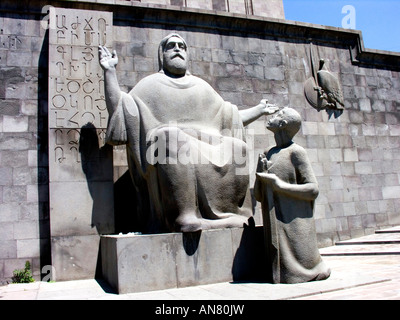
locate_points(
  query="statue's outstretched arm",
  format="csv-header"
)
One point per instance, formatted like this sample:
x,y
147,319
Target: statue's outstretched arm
x,y
108,63
252,114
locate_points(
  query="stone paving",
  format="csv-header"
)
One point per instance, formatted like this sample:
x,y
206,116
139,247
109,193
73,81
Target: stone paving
x,y
376,255
372,272
381,266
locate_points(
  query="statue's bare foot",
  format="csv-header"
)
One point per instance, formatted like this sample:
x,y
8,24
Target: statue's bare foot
x,y
191,223
188,223
231,221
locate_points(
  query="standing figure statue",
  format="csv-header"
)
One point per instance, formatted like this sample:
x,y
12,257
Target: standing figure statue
x,y
183,144
287,188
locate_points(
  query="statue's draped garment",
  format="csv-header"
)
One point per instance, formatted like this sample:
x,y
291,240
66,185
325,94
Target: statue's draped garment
x,y
289,225
181,122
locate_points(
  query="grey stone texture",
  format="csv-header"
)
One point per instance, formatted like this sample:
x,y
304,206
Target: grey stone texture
x,y
355,157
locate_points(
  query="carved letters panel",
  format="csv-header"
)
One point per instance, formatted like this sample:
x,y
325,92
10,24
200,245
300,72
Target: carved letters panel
x,y
76,81
80,163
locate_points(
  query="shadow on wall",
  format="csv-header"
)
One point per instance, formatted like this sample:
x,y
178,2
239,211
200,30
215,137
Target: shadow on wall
x,y
43,155
250,261
191,242
97,165
126,213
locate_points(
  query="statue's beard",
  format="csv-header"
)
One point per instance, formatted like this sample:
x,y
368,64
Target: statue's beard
x,y
176,65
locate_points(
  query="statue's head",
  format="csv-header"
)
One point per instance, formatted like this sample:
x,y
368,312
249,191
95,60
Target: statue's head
x,y
172,55
286,119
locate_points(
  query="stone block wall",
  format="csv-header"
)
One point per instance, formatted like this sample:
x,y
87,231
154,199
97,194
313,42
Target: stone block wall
x,y
355,156
24,218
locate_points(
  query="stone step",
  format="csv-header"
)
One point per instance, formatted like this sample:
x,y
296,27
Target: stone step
x,y
383,242
389,230
381,238
361,249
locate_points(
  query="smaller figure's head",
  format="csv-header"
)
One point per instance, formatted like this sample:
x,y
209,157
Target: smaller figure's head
x,y
286,119
172,55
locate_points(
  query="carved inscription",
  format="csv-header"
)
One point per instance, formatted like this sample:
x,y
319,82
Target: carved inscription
x,y
66,144
80,164
11,42
76,81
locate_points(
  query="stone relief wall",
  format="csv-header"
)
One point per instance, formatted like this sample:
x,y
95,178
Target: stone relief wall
x,y
355,157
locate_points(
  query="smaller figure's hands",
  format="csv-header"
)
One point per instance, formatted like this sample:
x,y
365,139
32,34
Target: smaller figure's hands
x,y
107,60
262,163
268,109
269,178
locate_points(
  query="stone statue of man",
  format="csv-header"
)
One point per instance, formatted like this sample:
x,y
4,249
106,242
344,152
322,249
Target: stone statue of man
x,y
182,139
286,187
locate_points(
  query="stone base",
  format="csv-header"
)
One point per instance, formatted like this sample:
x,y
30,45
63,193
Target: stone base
x,y
74,257
137,263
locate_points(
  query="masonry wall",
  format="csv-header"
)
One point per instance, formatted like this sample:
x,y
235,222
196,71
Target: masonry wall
x,y
356,156
24,219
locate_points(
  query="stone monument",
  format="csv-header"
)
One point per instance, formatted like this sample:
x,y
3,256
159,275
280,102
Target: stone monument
x,y
183,143
287,188
60,181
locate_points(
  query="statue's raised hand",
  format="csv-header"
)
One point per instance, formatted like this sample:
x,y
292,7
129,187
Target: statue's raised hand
x,y
107,60
268,108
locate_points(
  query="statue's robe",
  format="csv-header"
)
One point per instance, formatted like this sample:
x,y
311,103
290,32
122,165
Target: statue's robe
x,y
181,122
289,225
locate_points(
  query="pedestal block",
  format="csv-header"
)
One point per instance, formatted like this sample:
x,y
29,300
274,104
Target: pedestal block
x,y
137,263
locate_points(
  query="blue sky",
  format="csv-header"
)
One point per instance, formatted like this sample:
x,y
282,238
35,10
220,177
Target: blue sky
x,y
379,20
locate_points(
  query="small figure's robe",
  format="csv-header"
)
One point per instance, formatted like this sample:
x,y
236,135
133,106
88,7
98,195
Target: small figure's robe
x,y
289,225
182,122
